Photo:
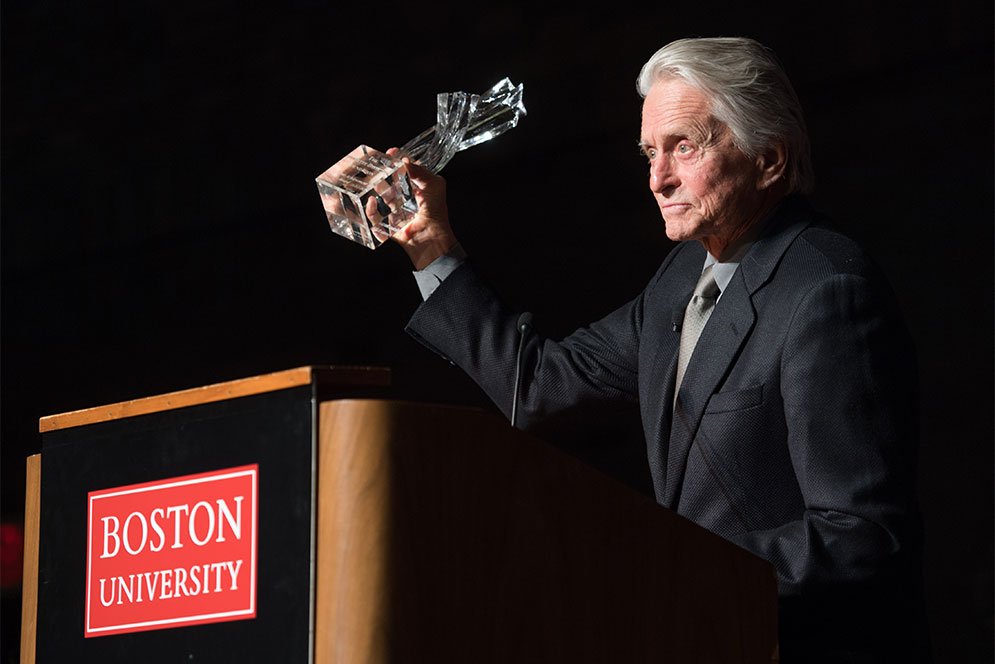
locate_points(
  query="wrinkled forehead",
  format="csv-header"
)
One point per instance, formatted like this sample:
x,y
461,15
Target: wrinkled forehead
x,y
673,102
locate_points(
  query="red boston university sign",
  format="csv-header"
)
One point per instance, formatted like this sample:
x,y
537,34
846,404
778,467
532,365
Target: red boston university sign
x,y
180,551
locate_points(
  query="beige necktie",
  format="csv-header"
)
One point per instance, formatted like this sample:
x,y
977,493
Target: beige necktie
x,y
695,316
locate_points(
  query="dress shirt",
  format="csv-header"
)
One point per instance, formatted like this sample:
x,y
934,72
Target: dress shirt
x,y
429,278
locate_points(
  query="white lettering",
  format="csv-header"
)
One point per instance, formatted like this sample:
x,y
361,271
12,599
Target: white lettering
x,y
193,521
171,583
217,567
127,529
235,523
121,588
158,530
167,581
111,533
154,582
111,600
204,523
175,509
195,579
233,571
181,582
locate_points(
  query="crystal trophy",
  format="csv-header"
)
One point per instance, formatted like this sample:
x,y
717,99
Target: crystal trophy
x,y
367,195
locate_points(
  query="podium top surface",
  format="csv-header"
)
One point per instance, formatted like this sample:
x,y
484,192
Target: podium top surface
x,y
325,377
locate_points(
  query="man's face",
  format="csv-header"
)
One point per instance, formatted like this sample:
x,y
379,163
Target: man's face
x,y
706,188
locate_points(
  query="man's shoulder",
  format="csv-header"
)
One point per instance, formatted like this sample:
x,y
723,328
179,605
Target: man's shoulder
x,y
817,247
804,253
821,260
828,249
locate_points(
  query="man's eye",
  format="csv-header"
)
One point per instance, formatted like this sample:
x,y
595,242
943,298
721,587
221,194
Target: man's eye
x,y
649,153
683,148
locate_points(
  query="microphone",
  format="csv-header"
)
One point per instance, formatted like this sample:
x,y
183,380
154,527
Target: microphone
x,y
524,328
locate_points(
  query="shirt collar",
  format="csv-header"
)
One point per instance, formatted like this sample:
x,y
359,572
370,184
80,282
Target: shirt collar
x,y
722,272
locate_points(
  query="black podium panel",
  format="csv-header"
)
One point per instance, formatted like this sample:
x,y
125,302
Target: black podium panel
x,y
273,430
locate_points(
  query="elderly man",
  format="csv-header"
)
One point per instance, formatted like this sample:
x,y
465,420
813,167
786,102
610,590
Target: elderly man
x,y
774,376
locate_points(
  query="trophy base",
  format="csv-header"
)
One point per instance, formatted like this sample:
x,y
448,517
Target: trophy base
x,y
367,196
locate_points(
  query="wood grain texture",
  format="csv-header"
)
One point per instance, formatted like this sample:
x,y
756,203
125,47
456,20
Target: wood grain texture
x,y
325,377
354,492
445,535
29,589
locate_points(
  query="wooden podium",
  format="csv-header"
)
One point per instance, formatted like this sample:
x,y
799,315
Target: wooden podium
x,y
387,532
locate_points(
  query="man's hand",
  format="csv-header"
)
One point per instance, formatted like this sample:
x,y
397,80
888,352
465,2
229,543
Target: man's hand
x,y
428,235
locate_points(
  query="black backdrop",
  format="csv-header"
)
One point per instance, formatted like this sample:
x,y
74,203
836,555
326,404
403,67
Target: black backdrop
x,y
161,228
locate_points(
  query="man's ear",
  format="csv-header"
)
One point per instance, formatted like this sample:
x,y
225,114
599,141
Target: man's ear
x,y
771,163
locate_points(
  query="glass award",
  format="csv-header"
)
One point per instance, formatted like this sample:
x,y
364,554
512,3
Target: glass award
x,y
367,195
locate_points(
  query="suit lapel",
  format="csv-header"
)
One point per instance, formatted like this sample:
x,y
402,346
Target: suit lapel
x,y
724,334
663,370
720,341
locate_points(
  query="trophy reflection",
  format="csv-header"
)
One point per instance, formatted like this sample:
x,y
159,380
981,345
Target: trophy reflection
x,y
367,195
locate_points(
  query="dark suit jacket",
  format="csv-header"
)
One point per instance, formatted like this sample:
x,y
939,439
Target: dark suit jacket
x,y
795,431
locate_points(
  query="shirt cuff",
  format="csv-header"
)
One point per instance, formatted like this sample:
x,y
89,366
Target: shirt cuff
x,y
436,272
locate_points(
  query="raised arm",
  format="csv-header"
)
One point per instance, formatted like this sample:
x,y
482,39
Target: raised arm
x,y
429,234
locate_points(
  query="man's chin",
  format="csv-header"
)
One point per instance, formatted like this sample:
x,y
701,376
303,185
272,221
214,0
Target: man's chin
x,y
679,233
680,228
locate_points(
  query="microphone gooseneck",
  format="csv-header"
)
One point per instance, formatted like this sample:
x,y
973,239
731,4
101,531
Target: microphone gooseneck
x,y
524,327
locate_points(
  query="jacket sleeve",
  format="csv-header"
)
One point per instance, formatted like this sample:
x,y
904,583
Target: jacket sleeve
x,y
466,323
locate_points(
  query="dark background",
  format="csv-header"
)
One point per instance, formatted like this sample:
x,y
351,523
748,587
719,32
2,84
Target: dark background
x,y
161,228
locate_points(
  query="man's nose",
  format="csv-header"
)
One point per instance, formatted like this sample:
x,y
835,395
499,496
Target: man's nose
x,y
663,175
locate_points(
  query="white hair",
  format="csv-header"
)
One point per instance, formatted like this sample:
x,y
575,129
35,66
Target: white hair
x,y
749,91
